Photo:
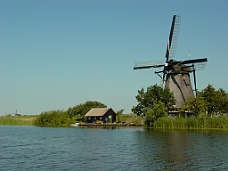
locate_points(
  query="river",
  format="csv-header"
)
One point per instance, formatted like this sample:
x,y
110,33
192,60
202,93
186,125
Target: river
x,y
28,148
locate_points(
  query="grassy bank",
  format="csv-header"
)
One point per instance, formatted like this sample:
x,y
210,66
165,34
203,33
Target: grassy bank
x,y
128,118
17,120
166,123
220,122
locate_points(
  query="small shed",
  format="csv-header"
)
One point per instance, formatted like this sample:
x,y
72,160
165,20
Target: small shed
x,y
101,115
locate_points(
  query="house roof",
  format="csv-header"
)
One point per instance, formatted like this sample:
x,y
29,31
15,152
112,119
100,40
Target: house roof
x,y
98,111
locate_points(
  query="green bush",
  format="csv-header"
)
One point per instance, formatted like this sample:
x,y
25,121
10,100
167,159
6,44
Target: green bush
x,y
65,118
52,118
152,114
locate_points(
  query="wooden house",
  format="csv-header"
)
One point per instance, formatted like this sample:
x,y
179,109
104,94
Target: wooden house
x,y
101,115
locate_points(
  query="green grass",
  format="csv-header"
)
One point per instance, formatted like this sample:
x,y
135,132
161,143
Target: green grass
x,y
128,118
17,120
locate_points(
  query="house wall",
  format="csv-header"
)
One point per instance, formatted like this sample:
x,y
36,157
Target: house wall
x,y
95,119
110,117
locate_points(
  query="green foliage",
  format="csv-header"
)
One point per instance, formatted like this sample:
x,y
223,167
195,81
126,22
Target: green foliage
x,y
194,104
223,98
153,95
209,101
118,113
152,114
65,118
210,97
52,118
82,109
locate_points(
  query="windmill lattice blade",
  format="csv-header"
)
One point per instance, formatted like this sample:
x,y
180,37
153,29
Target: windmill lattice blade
x,y
173,37
148,64
194,61
200,65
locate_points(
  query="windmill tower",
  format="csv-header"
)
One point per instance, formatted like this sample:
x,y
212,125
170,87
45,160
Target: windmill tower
x,y
175,74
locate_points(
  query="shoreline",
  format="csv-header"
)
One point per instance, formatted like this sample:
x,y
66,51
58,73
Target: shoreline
x,y
108,124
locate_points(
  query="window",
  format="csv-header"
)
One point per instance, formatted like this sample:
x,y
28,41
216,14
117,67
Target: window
x,y
89,118
101,118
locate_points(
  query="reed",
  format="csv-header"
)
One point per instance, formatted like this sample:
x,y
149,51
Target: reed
x,y
20,120
220,122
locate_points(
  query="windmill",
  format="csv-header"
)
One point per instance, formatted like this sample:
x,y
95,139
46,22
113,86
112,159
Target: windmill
x,y
17,114
175,74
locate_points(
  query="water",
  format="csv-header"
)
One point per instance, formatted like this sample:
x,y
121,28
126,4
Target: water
x,y
44,149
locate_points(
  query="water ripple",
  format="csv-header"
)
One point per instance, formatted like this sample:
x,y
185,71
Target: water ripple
x,y
34,148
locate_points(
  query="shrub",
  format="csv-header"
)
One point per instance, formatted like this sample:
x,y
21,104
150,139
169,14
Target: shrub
x,y
52,118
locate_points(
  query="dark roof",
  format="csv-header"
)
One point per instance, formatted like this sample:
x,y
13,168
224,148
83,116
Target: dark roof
x,y
98,111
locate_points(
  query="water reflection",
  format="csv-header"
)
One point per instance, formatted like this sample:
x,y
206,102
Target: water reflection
x,y
175,151
183,150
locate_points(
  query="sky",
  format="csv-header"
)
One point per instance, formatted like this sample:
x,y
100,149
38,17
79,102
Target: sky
x,y
56,54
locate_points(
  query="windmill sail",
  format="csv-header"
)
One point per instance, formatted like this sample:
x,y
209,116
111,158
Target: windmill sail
x,y
201,62
175,74
172,43
173,37
148,64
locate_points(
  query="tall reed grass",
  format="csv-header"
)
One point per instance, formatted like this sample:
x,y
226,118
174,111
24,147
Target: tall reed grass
x,y
13,120
220,122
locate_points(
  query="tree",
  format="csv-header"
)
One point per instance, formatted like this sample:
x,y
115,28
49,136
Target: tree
x,y
52,118
194,104
158,110
208,100
223,101
82,109
209,95
215,100
153,95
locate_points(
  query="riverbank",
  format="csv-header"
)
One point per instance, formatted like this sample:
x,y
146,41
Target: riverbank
x,y
165,123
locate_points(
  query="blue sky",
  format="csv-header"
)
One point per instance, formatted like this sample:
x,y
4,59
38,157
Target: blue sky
x,y
56,54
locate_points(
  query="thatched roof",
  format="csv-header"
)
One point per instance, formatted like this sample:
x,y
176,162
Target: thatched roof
x,y
98,111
